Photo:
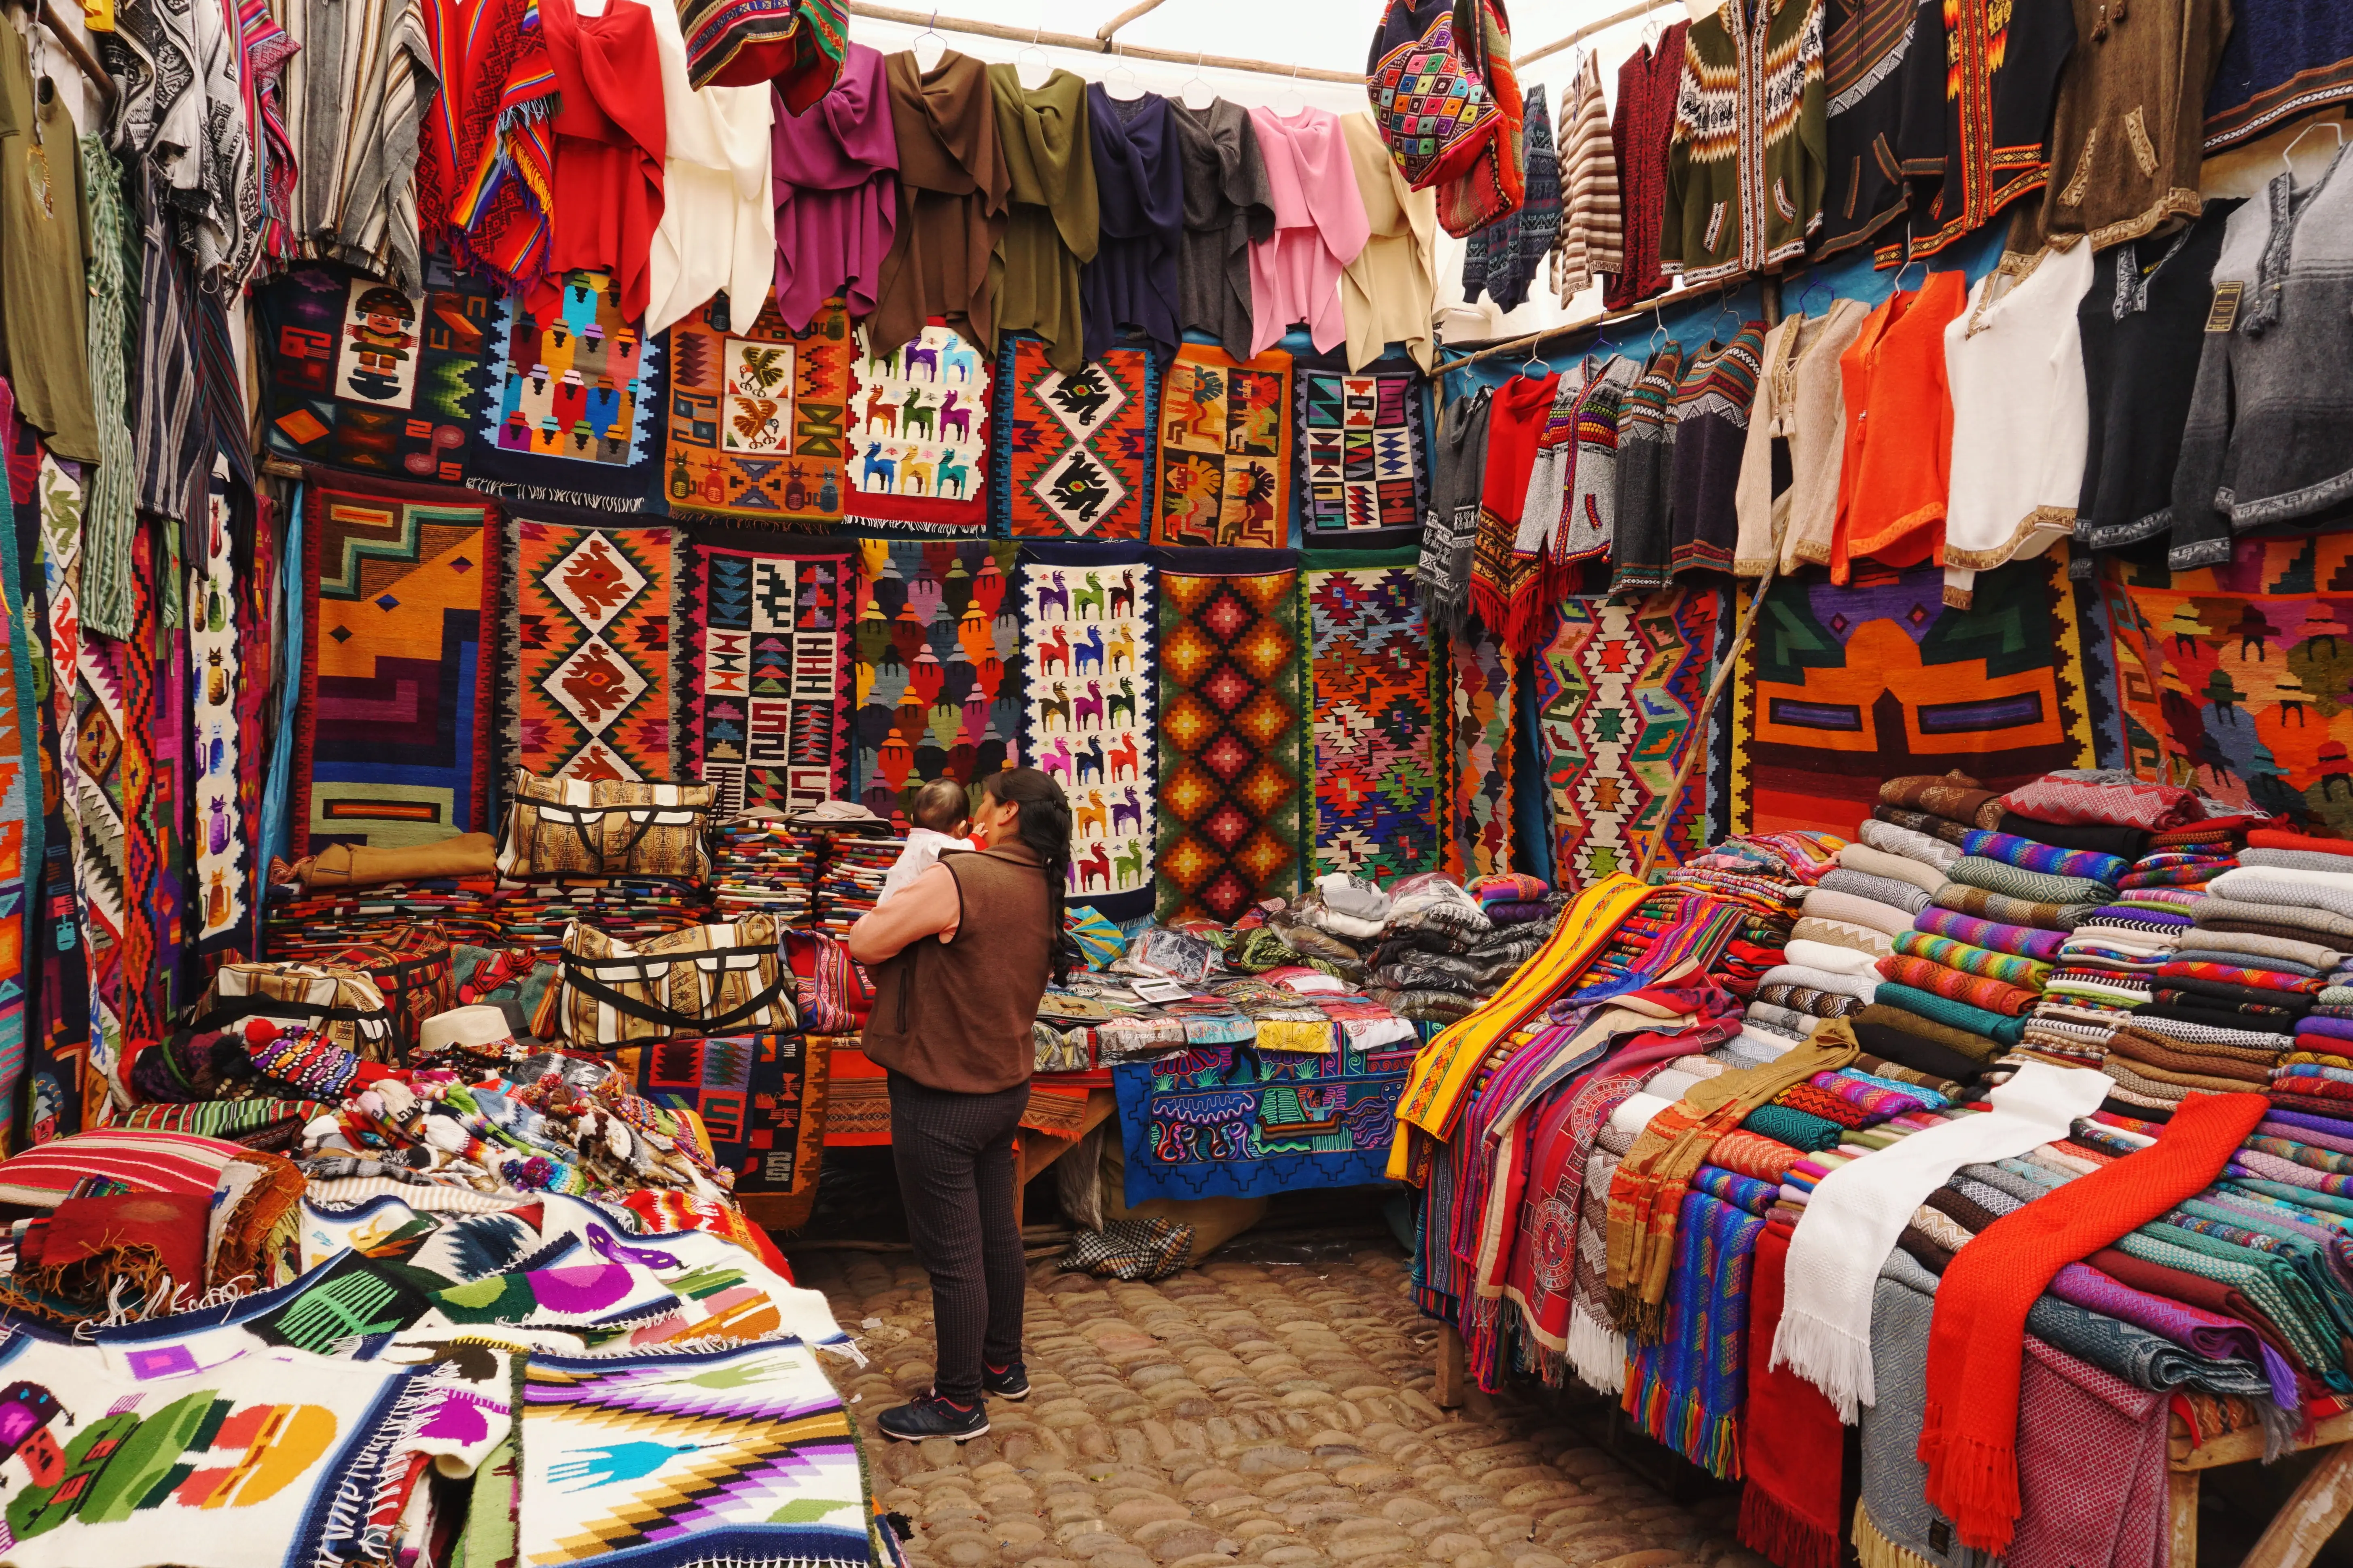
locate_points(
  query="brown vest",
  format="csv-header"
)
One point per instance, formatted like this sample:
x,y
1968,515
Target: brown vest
x,y
957,1015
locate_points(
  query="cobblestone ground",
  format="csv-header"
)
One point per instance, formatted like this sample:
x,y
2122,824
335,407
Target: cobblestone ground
x,y
1242,1413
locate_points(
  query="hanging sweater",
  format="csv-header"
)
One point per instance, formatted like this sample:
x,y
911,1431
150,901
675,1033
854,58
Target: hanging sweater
x,y
2015,366
952,189
1640,131
1140,206
2267,441
610,141
1502,258
1052,228
1788,485
43,303
836,189
1862,90
1979,80
1458,473
718,228
1228,207
1515,425
1588,519
1899,434
1711,421
1390,292
1319,227
1646,446
1592,228
2142,324
1745,169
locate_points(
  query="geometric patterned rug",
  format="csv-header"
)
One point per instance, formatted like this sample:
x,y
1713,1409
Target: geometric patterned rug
x,y
1362,451
937,661
753,431
1074,454
761,673
1233,803
761,1100
584,654
1484,716
1617,687
1376,778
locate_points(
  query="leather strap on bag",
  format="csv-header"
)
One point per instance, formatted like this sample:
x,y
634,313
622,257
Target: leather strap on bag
x,y
682,1023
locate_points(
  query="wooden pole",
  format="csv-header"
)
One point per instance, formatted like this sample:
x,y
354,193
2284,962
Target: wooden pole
x,y
1091,45
1696,746
1640,8
1125,18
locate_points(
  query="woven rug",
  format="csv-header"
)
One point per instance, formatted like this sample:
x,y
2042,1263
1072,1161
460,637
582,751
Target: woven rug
x,y
1841,688
659,1460
762,1098
1076,458
101,858
1225,450
1376,772
585,657
64,1089
1233,708
918,439
221,859
1362,440
145,837
20,820
761,671
1484,711
571,413
1089,712
857,1096
756,415
1234,1121
392,731
1617,688
358,375
938,665
2229,679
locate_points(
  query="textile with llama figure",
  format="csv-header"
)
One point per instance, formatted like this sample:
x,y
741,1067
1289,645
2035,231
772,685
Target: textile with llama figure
x,y
918,437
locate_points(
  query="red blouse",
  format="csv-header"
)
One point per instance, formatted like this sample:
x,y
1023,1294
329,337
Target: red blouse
x,y
610,138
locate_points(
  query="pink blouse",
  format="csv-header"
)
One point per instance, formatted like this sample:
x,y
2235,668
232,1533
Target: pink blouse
x,y
1319,227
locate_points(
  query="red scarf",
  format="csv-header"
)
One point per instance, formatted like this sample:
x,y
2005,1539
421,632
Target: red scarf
x,y
1969,1438
1793,1450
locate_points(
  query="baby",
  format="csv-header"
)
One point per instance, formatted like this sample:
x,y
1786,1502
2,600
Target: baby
x,y
939,824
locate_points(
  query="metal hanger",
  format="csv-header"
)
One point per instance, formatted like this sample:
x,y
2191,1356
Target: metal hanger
x,y
2288,153
939,45
1536,357
1120,81
1184,89
1813,282
1659,324
1895,287
1031,66
1288,102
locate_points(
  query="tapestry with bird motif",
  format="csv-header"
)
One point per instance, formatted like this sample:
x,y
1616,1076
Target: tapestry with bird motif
x,y
760,669
755,417
937,658
1225,450
585,633
1074,459
918,442
1088,712
573,403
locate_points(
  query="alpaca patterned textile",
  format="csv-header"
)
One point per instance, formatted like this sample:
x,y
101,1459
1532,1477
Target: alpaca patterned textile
x,y
1225,450
938,662
1074,457
2034,887
2112,797
1089,710
2023,941
1233,711
2009,967
1955,985
392,733
1378,772
918,437
588,630
1969,1436
757,423
1483,719
2028,855
760,674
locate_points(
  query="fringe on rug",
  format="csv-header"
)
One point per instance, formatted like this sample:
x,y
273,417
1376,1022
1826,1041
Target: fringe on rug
x,y
1827,1357
514,491
1877,1551
1596,1353
1768,1528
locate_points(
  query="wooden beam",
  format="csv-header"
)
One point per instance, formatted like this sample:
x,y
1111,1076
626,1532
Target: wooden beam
x,y
2181,1511
2237,1447
2309,1517
1091,45
1447,1394
1639,8
1125,18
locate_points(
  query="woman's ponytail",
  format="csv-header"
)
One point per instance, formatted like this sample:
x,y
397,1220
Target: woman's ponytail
x,y
1044,825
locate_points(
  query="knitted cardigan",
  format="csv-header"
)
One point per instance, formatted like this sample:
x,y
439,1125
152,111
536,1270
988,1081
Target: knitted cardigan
x,y
1649,84
1592,225
1747,165
1788,483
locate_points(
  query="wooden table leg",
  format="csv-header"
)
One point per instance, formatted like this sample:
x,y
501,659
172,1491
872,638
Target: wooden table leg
x,y
2181,1507
1449,1391
2310,1516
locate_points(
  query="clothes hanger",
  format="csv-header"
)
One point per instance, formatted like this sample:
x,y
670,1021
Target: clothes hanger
x,y
1814,284
2287,154
1289,103
1658,325
1536,357
1120,81
1897,286
929,48
1030,66
1198,103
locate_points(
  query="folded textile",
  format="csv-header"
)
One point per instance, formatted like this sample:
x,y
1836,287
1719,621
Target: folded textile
x,y
2321,958
2113,797
1969,1431
2009,967
1957,985
1954,796
2127,843
1903,896
1891,867
2284,839
1953,1036
1858,1210
2214,1014
2220,912
1961,1015
1843,933
1510,887
2135,1044
1909,843
1811,1000
2255,998
1746,1153
1797,1128
2027,941
2185,969
1944,830
1829,904
1847,983
2275,884
1792,1454
2031,886
1785,1020
2000,906
2208,1334
1831,957
2027,854
1915,1051
2296,860
2092,1463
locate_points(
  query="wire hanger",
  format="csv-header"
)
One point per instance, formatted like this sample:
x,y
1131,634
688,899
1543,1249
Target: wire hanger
x,y
1031,65
1120,81
1536,357
1209,94
1897,286
1814,282
938,46
1288,101
1658,325
2333,127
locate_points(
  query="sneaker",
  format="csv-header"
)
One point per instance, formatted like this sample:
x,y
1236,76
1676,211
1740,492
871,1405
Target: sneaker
x,y
1012,1383
931,1416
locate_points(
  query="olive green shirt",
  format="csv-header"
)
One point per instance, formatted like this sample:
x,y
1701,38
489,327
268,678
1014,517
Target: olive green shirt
x,y
1055,225
44,250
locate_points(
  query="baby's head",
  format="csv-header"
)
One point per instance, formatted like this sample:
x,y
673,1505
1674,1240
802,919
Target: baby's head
x,y
939,806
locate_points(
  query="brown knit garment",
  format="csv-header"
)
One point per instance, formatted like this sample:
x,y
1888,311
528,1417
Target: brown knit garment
x,y
952,188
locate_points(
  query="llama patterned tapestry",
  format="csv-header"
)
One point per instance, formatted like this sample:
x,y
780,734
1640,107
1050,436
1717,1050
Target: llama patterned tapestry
x,y
571,416
1088,712
918,445
1076,458
755,417
1225,450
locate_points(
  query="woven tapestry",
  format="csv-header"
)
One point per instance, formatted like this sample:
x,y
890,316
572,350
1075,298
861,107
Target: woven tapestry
x,y
1234,1121
81,867
938,665
1376,778
586,640
1076,458
2234,679
1361,440
1482,709
357,375
1225,450
1617,690
20,819
919,435
391,732
756,412
1088,712
571,411
1233,700
1839,688
857,1096
215,661
761,1100
101,865
131,671
761,673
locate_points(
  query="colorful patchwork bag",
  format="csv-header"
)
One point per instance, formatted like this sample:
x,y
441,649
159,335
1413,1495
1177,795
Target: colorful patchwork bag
x,y
727,978
1429,93
415,969
569,827
832,990
342,1004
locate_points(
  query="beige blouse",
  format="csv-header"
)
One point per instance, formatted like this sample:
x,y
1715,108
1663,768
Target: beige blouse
x,y
1390,292
1799,399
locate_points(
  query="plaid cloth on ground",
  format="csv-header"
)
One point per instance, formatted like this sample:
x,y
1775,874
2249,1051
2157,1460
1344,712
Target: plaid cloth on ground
x,y
1136,1249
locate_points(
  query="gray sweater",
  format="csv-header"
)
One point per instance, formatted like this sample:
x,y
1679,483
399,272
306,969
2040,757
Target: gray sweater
x,y
1228,205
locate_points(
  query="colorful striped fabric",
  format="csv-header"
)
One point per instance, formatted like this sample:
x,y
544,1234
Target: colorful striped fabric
x,y
2027,941
142,1161
2016,882
1870,1096
2232,974
2007,967
2049,859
